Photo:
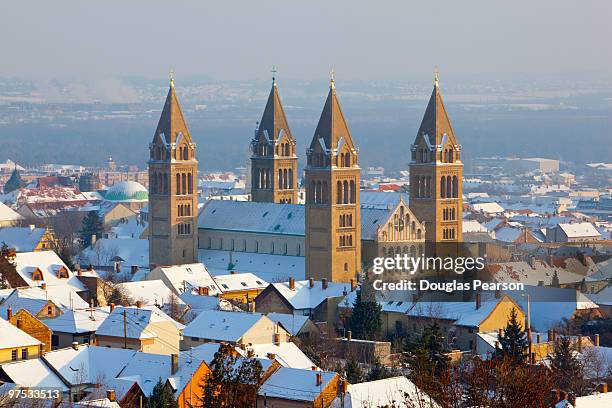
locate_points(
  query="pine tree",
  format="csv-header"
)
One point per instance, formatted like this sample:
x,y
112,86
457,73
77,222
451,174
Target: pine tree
x,y
366,321
353,372
568,372
513,343
428,353
7,268
92,225
15,182
161,397
378,372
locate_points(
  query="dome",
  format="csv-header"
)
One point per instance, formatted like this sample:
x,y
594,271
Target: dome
x,y
127,191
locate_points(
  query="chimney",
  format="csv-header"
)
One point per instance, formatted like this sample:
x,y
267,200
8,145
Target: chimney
x,y
478,300
250,353
353,285
349,335
79,271
93,240
596,342
549,335
112,307
537,338
603,388
277,338
174,361
313,368
139,304
292,283
134,269
90,268
110,395
311,282
271,356
75,345
41,350
43,286
202,291
251,306
324,283
319,378
9,313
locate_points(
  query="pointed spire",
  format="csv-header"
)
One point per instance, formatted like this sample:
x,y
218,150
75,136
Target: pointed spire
x,y
172,121
273,119
436,122
332,78
274,71
332,125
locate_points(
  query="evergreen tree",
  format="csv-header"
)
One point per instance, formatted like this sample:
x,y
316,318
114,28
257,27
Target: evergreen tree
x,y
7,268
428,353
233,380
513,343
161,397
353,372
568,372
366,321
15,182
378,372
92,225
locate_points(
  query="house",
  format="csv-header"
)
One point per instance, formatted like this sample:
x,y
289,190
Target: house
x,y
115,254
26,322
535,272
317,299
398,392
27,239
154,293
42,302
490,209
76,325
297,325
514,235
199,303
234,328
15,344
186,278
285,354
45,267
294,387
240,287
34,373
9,217
142,328
573,232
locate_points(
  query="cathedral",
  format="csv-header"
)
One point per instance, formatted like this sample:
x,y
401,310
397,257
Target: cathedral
x,y
337,232
173,189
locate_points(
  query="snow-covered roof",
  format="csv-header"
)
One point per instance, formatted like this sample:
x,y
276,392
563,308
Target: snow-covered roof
x,y
131,251
473,226
489,208
305,297
271,268
296,384
201,303
8,214
603,297
50,265
132,227
579,230
138,322
550,305
33,373
96,403
493,224
21,239
533,273
395,391
151,292
508,234
187,278
293,323
381,200
78,321
240,281
221,325
88,364
127,191
34,299
287,354
389,301
12,337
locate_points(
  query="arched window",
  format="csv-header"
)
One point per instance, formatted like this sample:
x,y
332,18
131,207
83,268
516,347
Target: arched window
x,y
449,187
290,178
178,184
455,187
345,196
443,187
353,192
319,193
183,183
339,192
418,233
285,179
313,191
280,178
325,193
428,189
190,183
153,183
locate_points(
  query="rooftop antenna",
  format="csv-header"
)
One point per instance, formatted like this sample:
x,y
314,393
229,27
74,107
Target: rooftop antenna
x,y
171,76
436,77
274,71
332,77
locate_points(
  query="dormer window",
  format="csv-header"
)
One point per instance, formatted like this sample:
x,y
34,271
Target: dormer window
x,y
62,273
37,275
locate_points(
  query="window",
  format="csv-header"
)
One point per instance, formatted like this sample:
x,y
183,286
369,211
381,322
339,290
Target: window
x,y
24,354
14,355
49,310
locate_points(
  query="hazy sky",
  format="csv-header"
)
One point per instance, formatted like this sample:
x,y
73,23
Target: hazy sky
x,y
361,39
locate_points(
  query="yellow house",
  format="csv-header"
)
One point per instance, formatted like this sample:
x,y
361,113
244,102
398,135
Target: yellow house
x,y
241,287
16,344
28,239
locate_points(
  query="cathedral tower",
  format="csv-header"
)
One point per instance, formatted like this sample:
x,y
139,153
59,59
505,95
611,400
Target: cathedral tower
x,y
173,189
436,174
333,216
274,160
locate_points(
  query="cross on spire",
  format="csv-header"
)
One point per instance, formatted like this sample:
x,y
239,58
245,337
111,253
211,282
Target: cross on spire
x,y
171,76
436,77
274,71
332,77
